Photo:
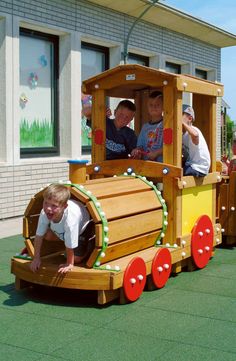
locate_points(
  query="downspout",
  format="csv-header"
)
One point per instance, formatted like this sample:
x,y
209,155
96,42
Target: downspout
x,y
132,27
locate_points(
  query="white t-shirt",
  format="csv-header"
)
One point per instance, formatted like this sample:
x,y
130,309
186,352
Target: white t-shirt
x,y
74,220
198,155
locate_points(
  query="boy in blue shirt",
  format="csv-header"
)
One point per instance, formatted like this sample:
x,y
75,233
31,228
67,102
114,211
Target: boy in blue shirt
x,y
150,140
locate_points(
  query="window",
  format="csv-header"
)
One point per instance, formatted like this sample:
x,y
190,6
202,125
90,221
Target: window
x,y
95,59
138,59
173,68
38,100
201,73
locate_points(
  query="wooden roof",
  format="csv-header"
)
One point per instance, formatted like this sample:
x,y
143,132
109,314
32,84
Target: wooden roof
x,y
124,80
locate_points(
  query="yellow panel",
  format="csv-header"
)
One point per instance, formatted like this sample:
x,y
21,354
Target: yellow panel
x,y
196,201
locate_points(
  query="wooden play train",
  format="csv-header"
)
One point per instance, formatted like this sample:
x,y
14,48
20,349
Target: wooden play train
x,y
142,234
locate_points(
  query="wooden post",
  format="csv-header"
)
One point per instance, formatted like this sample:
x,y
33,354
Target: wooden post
x,y
98,126
172,154
77,171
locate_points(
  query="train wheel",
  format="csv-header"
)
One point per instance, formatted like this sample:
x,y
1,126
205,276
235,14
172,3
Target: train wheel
x,y
134,279
161,267
202,241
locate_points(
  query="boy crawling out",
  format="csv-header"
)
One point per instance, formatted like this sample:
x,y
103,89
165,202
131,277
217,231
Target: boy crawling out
x,y
66,220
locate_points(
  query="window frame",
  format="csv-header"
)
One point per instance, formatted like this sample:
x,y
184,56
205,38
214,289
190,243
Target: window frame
x,y
86,149
54,150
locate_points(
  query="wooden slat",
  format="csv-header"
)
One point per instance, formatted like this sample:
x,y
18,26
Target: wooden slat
x,y
190,181
30,224
140,167
219,166
106,179
35,205
30,247
129,204
78,195
114,187
78,278
120,249
130,227
232,203
170,197
223,214
193,85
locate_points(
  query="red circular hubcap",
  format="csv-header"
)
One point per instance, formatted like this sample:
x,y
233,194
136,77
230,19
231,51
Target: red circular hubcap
x,y
134,279
202,241
161,267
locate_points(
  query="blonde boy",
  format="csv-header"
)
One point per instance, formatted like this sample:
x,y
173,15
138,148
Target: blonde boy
x,y
63,219
150,139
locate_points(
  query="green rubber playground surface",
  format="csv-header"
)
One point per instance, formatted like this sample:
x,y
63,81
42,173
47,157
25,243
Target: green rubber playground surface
x,y
193,318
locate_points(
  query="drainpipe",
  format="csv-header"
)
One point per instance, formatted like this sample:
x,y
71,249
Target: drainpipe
x,y
132,27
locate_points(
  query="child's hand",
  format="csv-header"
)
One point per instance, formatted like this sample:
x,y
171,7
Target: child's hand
x,y
35,265
136,153
108,112
152,155
64,268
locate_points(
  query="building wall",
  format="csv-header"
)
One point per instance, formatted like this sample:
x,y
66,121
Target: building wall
x,y
73,21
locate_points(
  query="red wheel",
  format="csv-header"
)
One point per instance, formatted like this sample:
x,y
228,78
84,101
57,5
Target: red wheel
x,y
161,267
202,241
134,279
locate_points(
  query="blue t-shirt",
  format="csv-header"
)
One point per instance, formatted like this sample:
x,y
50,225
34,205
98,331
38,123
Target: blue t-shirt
x,y
151,138
119,142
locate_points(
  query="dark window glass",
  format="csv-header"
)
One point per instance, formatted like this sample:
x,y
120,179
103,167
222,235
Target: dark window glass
x,y
138,59
201,73
173,68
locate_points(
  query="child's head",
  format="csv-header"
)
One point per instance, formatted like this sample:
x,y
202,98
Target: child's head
x,y
124,113
155,105
55,200
86,106
188,113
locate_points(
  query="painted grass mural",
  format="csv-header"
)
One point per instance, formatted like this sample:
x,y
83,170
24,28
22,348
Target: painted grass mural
x,y
38,133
